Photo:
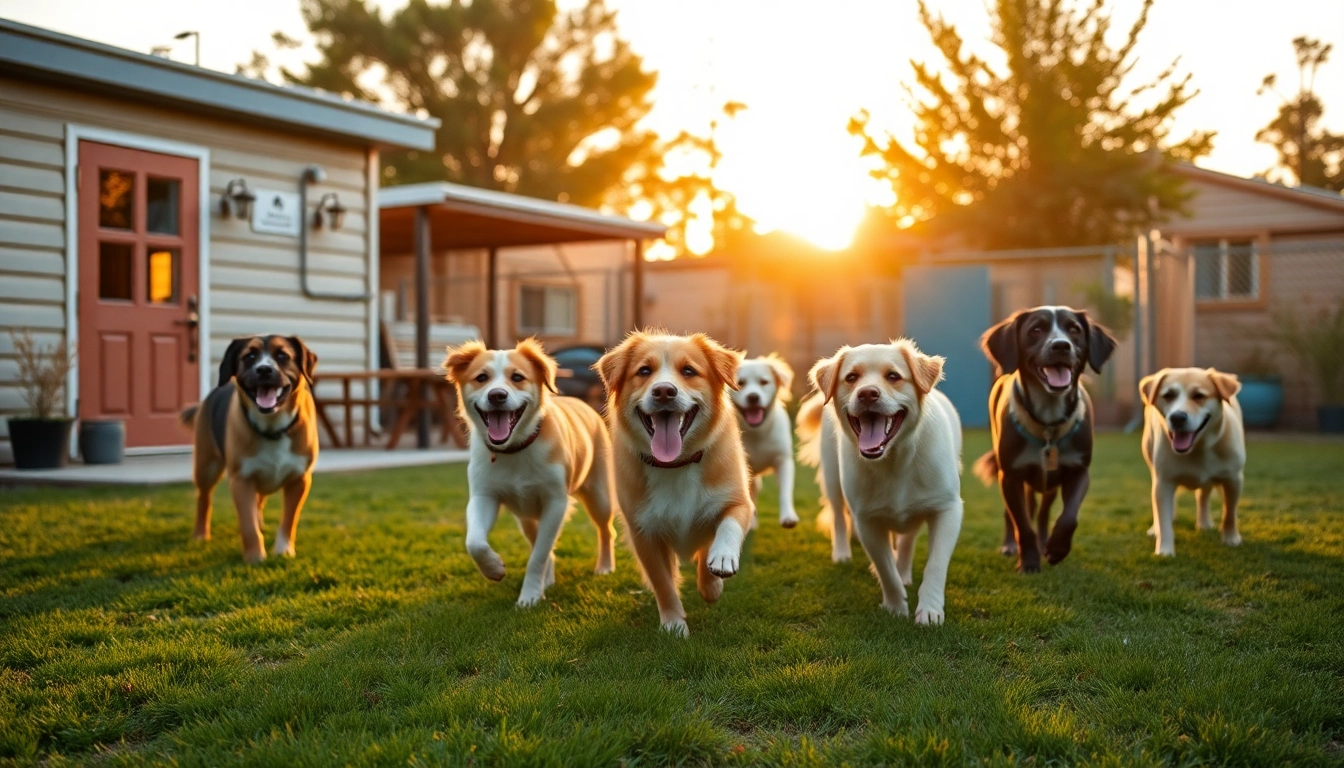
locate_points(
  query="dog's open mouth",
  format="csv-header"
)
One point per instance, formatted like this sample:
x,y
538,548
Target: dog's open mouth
x,y
1182,440
499,424
875,430
269,398
753,414
666,430
1056,377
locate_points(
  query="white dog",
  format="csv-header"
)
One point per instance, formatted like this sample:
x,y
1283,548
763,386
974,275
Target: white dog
x,y
1193,438
897,466
763,388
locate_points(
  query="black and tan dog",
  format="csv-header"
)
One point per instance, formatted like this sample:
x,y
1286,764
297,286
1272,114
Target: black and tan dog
x,y
260,425
1040,422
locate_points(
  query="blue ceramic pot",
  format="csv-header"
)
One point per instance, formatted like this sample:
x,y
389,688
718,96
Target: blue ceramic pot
x,y
1261,399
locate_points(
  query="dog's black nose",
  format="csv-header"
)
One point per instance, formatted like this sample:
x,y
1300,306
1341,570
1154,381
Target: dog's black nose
x,y
868,395
498,395
263,370
1061,345
663,391
753,399
1180,419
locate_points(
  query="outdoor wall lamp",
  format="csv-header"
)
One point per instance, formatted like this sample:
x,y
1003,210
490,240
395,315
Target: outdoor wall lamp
x,y
237,200
335,212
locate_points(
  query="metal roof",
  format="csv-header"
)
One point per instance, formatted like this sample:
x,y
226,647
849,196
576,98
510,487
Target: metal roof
x,y
470,217
40,54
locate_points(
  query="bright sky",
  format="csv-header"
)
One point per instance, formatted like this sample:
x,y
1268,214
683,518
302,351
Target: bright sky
x,y
804,67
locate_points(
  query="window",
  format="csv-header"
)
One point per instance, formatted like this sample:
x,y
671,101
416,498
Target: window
x,y
1227,270
548,310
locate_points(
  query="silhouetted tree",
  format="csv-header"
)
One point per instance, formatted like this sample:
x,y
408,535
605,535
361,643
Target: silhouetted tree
x,y
1311,154
1052,149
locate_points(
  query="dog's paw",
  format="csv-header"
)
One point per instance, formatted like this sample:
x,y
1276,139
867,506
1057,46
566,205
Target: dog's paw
x,y
491,566
284,551
676,627
841,553
1029,564
1056,552
897,608
529,599
1152,531
722,564
605,565
928,616
200,536
256,557
710,588
1165,550
1008,550
1232,538
788,518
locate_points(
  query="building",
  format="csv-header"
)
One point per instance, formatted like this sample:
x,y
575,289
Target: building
x,y
151,210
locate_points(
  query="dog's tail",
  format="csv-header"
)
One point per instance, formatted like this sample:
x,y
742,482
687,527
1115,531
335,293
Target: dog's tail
x,y
187,418
987,468
808,426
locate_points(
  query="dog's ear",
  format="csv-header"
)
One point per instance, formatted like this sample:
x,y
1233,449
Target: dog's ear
x,y
306,359
228,366
1100,343
1150,385
612,365
1000,344
783,373
825,374
460,358
925,370
723,362
1226,383
535,353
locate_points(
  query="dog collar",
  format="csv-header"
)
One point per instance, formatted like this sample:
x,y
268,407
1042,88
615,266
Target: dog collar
x,y
678,464
496,451
1048,437
271,434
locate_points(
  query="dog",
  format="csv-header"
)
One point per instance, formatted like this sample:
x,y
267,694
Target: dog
x,y
1040,421
890,450
259,425
681,472
762,390
531,450
1193,438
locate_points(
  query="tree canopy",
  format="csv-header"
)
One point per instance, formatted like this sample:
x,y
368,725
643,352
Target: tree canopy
x,y
1308,153
1054,147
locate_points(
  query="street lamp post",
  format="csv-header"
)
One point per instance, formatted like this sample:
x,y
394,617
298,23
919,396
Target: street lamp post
x,y
195,34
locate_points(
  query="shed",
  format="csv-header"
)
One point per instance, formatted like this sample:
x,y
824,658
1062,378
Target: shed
x,y
126,225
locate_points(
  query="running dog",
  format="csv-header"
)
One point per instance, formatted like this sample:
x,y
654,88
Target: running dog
x,y
767,436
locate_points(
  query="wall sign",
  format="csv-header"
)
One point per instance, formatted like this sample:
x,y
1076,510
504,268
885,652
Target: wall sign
x,y
276,213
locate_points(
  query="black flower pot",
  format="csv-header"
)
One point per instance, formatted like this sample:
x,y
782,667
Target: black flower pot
x,y
102,442
40,443
1330,418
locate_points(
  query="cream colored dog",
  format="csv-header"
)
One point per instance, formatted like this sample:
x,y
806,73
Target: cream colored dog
x,y
681,475
531,450
1193,438
762,390
898,464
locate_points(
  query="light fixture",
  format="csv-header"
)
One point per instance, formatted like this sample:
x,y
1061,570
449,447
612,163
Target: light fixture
x,y
335,212
237,200
191,33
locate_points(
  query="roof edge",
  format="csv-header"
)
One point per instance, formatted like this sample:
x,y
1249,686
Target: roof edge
x,y
1319,199
445,192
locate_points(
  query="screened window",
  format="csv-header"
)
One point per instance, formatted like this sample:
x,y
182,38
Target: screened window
x,y
548,310
1227,270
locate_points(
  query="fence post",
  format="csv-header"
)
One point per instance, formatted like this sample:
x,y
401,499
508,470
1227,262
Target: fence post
x,y
1141,255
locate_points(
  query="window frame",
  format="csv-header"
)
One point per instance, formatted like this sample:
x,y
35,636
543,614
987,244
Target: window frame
x,y
547,289
1258,244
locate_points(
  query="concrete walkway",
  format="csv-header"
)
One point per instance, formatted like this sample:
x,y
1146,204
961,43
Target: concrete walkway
x,y
176,468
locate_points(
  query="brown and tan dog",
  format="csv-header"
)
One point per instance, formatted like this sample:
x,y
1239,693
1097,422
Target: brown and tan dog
x,y
681,472
260,426
531,450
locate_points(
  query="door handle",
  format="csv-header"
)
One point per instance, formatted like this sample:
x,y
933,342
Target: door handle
x,y
193,323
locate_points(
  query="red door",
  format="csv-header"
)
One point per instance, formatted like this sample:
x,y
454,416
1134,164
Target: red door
x,y
138,283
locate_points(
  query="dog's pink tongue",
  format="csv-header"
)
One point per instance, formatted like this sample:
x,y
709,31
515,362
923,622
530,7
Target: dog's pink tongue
x,y
755,416
666,443
497,425
1058,376
872,431
1182,441
266,396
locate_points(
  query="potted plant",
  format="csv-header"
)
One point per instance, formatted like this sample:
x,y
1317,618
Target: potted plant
x,y
1261,395
42,439
1318,346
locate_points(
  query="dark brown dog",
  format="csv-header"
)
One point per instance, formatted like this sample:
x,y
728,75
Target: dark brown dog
x,y
260,425
1040,422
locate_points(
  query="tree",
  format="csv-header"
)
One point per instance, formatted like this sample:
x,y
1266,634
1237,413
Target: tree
x,y
531,100
1311,154
1050,149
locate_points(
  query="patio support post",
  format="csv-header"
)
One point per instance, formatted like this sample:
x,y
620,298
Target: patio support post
x,y
492,298
422,250
638,314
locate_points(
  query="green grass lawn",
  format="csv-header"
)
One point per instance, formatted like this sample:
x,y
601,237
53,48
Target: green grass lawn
x,y
121,642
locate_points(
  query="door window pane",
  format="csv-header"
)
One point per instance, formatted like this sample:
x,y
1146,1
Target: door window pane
x,y
162,274
161,206
116,199
115,266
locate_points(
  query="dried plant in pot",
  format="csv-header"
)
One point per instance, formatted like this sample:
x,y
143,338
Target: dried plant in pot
x,y
41,439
